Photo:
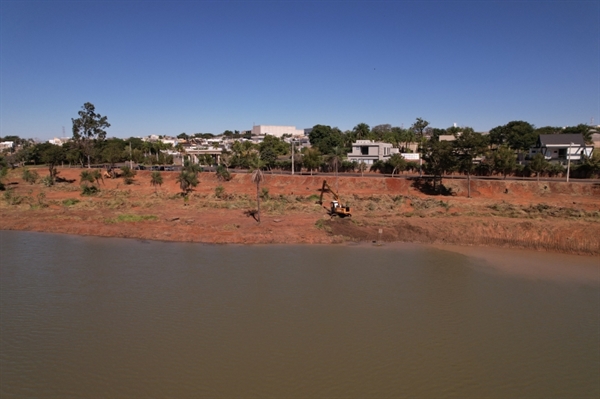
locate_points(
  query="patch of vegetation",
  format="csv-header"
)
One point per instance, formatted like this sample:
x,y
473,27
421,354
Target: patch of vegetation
x,y
11,198
545,210
264,194
219,192
128,174
321,224
30,176
70,201
89,190
428,203
41,201
131,218
47,181
506,210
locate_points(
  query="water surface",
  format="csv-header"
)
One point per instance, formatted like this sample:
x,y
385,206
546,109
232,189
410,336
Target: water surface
x,y
94,317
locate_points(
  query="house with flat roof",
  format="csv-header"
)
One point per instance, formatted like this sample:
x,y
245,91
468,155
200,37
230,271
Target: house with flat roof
x,y
369,151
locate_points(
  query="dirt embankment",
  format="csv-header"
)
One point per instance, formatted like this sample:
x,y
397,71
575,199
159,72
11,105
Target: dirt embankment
x,y
553,216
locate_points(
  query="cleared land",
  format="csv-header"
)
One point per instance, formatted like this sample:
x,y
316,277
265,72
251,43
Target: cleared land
x,y
551,216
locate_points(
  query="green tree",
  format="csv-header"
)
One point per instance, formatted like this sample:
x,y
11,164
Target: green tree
x,y
52,155
361,131
539,165
222,173
590,166
517,135
397,163
439,157
89,128
419,127
504,161
380,132
325,138
187,181
362,166
468,146
243,152
271,148
114,151
311,159
582,129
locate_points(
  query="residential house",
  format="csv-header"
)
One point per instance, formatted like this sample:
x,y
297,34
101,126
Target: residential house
x,y
561,147
369,151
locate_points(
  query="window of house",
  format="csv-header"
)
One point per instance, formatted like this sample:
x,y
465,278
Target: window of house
x,y
364,150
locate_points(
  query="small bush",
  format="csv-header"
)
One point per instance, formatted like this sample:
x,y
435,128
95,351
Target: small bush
x,y
41,199
47,181
89,190
128,174
30,176
264,194
219,191
11,198
70,201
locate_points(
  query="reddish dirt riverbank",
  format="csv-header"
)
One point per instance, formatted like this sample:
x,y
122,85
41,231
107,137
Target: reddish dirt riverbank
x,y
553,216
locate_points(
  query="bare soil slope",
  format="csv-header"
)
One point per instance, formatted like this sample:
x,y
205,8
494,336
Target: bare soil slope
x,y
554,216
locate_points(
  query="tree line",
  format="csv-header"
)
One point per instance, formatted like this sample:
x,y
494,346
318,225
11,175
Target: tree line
x,y
471,153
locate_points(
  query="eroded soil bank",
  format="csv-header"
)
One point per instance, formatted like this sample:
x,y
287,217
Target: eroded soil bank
x,y
551,216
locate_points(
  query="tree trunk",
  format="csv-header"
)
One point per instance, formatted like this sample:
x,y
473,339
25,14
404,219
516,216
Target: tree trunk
x,y
468,185
258,201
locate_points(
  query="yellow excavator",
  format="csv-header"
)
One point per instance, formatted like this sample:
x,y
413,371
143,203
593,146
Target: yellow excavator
x,y
337,209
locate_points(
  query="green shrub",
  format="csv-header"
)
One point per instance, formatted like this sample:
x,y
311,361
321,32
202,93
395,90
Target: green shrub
x,y
30,176
128,174
47,181
264,194
89,190
70,201
11,198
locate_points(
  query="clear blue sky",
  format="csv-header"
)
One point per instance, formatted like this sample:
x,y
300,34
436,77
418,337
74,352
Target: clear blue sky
x,y
164,68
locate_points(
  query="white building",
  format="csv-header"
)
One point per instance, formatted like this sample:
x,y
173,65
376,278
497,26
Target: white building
x,y
561,147
369,151
277,131
59,140
4,145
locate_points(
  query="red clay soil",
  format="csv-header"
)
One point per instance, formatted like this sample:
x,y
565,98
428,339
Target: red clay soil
x,y
551,216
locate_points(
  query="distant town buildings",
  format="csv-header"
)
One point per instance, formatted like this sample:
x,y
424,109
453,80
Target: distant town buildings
x,y
277,131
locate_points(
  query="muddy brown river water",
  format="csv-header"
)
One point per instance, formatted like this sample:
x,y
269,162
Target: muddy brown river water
x,y
94,317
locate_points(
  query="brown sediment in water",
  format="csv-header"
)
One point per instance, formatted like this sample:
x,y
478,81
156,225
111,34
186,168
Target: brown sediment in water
x,y
548,216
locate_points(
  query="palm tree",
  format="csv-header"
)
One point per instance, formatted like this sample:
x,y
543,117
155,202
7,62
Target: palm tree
x,y
187,180
257,177
156,180
361,131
